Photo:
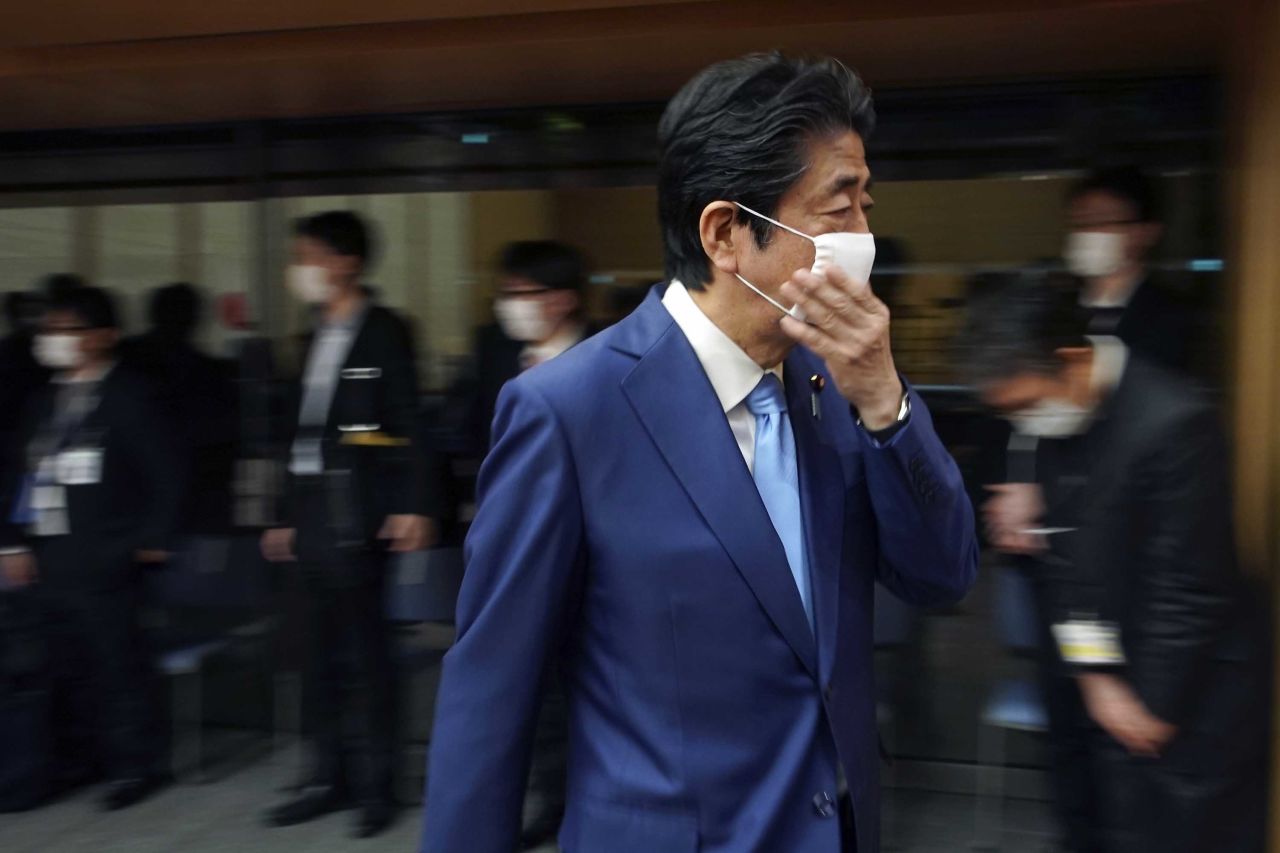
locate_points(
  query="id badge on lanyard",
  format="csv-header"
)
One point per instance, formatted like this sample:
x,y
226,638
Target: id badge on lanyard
x,y
48,503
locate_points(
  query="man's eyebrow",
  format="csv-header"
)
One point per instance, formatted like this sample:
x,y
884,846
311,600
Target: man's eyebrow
x,y
844,182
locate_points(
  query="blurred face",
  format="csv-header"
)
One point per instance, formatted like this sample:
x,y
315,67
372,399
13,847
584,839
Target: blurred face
x,y
1047,404
67,343
1106,235
531,312
317,273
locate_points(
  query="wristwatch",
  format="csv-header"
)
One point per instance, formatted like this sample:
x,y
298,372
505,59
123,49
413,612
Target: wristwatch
x,y
904,414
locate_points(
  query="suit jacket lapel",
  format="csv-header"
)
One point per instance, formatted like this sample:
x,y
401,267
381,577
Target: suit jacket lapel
x,y
822,497
674,400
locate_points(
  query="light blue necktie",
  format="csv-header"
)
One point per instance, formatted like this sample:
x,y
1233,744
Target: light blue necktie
x,y
778,480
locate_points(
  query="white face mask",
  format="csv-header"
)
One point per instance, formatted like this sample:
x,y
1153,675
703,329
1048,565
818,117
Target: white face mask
x,y
1051,419
1094,254
57,351
522,319
851,252
308,283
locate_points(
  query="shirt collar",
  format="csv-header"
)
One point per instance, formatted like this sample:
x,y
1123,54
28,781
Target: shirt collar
x,y
1110,357
732,372
558,345
96,376
1120,299
349,323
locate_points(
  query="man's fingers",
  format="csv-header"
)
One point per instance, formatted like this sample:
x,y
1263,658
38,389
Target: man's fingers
x,y
826,305
859,291
822,343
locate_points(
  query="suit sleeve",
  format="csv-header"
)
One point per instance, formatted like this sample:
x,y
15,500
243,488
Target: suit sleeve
x,y
13,470
925,522
1187,565
153,452
523,569
405,467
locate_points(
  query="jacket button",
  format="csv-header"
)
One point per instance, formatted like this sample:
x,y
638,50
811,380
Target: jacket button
x,y
824,804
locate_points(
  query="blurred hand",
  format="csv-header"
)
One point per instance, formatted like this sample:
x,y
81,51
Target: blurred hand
x,y
19,569
1114,706
151,556
277,545
849,328
1013,509
408,532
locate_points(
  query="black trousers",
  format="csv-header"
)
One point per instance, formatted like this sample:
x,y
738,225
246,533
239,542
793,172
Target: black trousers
x,y
349,682
104,690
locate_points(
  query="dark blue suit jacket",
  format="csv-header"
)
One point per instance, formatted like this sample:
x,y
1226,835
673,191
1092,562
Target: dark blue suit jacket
x,y
620,533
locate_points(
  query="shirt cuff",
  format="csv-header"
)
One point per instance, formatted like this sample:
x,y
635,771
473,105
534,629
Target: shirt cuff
x,y
884,436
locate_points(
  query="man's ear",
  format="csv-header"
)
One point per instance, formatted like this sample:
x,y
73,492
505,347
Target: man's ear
x,y
716,229
1077,367
567,302
1075,356
348,266
1150,234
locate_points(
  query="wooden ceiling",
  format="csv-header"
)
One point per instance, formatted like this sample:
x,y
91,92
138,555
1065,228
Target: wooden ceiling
x,y
140,62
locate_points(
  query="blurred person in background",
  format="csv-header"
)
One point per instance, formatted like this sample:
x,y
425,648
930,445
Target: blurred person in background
x,y
198,393
1130,527
1116,223
540,315
354,498
689,511
53,286
94,495
20,374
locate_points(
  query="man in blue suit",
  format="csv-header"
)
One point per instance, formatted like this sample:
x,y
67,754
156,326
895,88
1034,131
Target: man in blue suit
x,y
686,513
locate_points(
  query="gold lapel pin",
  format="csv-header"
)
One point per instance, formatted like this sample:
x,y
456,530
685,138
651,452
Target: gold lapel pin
x,y
816,383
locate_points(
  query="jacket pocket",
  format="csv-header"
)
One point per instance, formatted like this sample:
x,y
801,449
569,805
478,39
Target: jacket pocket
x,y
611,828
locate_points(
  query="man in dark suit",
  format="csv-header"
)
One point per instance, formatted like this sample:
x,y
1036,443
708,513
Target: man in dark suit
x,y
94,494
540,315
689,511
355,497
20,374
198,392
1135,556
1115,222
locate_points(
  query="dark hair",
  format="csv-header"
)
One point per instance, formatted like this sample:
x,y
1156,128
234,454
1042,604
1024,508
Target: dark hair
x,y
1126,182
1016,323
94,306
175,309
553,265
738,132
341,230
59,282
20,306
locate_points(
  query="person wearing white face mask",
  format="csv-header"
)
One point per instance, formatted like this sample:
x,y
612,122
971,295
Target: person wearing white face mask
x,y
539,316
357,494
94,493
1115,226
688,512
1155,664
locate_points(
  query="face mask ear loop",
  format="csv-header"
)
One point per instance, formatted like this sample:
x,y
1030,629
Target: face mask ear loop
x,y
776,222
766,297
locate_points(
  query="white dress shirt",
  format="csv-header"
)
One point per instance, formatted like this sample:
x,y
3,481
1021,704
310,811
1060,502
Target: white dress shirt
x,y
319,382
535,354
732,373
